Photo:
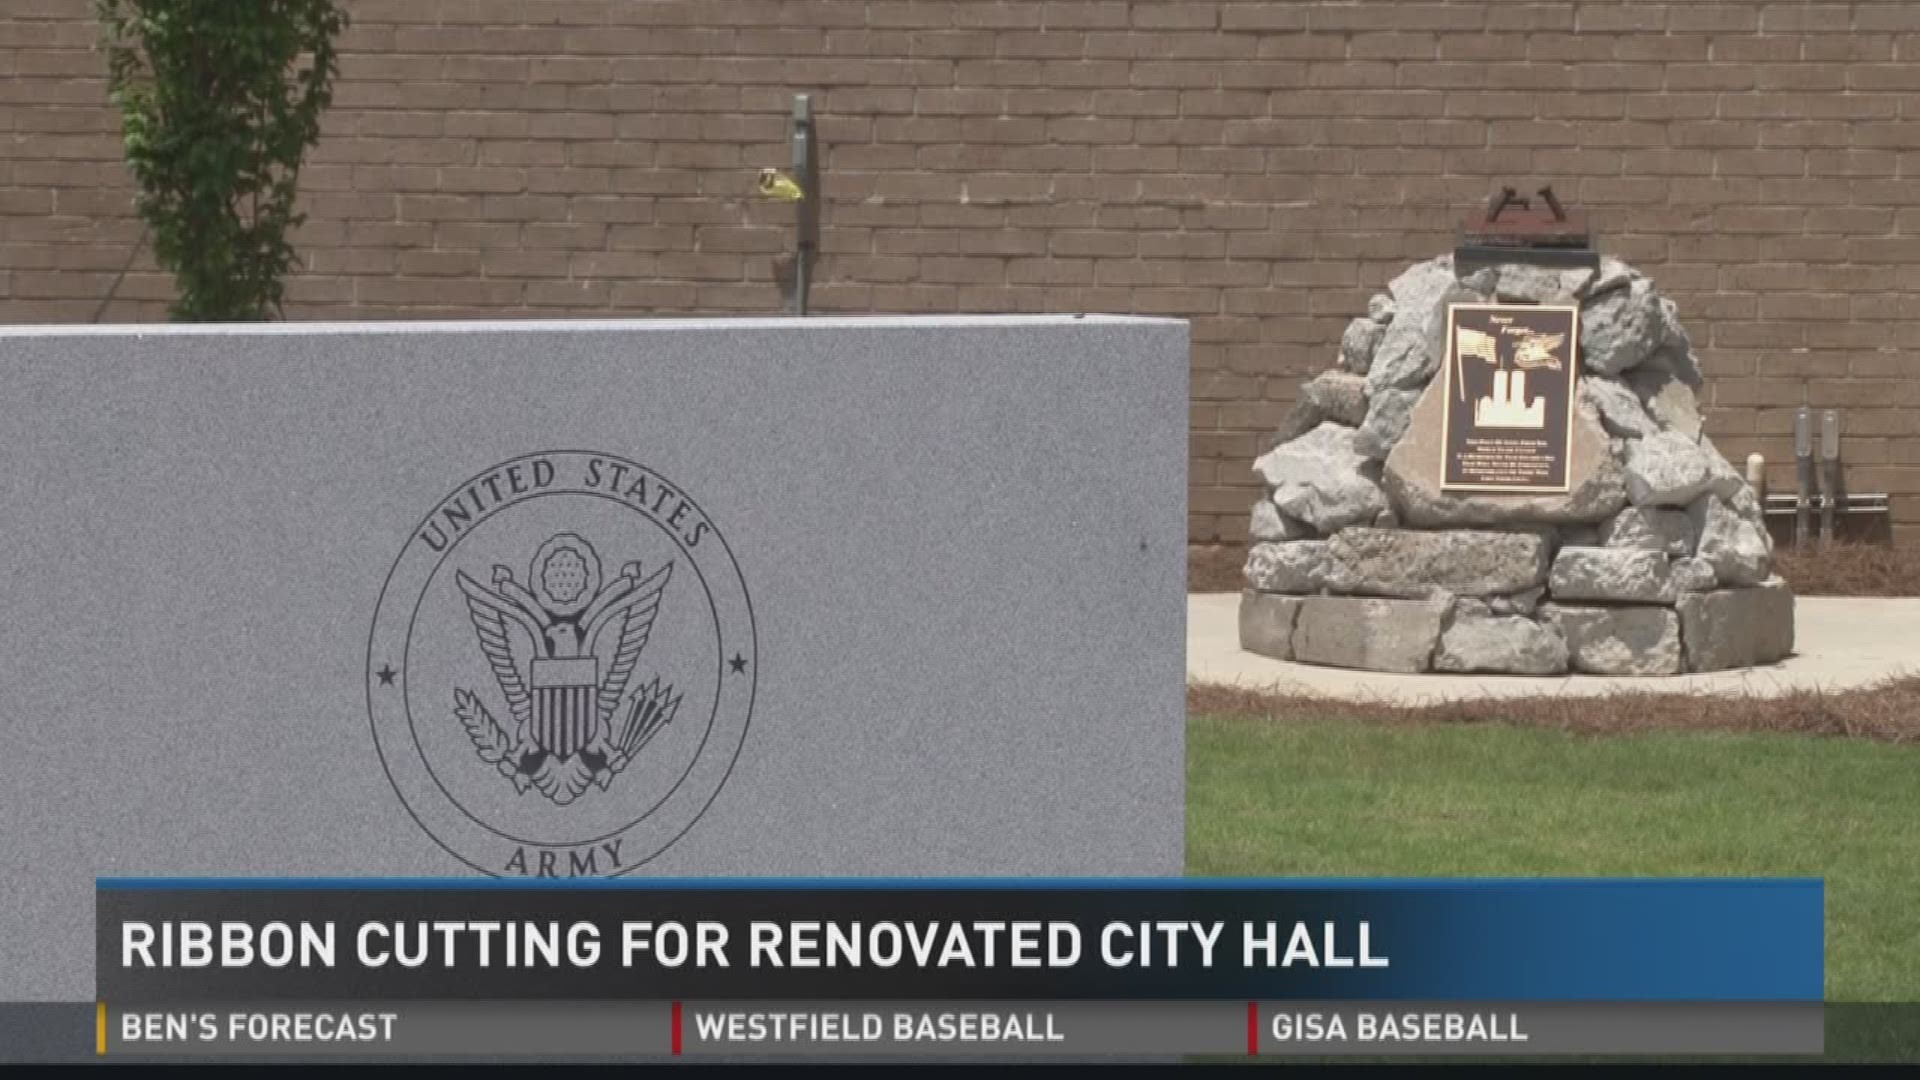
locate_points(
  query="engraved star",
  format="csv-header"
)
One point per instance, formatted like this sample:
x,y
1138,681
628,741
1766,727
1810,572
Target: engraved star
x,y
386,674
738,663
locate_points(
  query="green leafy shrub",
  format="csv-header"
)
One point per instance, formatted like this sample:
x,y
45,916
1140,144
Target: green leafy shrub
x,y
219,102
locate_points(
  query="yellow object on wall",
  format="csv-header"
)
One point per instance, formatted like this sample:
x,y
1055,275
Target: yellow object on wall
x,y
775,184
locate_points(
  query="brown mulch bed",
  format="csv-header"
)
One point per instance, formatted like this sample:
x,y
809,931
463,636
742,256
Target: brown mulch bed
x,y
1852,570
1842,570
1215,568
1888,712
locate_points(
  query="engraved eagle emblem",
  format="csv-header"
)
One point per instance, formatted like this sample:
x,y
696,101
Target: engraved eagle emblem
x,y
1536,351
561,737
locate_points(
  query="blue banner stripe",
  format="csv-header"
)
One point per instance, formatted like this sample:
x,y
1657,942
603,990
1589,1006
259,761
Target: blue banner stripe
x,y
1621,939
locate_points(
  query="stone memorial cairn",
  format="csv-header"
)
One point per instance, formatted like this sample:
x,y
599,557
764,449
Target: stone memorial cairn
x,y
1654,562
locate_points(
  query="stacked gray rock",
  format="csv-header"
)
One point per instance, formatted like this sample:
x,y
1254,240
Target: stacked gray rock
x,y
1656,561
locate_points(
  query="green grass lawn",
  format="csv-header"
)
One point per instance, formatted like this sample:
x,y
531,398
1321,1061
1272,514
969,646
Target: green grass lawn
x,y
1309,798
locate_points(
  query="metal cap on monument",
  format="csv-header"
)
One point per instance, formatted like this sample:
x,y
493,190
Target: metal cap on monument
x,y
1517,229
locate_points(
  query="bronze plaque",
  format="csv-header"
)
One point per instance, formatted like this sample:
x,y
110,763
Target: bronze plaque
x,y
1509,380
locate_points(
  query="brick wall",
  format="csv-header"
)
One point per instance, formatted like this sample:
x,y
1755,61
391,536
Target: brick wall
x,y
1257,167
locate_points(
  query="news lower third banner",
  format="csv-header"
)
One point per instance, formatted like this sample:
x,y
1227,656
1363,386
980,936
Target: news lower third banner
x,y
953,968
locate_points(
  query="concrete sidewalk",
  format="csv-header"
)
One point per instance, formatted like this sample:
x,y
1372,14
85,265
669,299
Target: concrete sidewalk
x,y
1840,642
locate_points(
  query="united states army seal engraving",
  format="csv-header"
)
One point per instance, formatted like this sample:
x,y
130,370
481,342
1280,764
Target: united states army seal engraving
x,y
562,667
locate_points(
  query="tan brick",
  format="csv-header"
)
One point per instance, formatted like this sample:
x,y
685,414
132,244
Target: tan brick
x,y
1136,102
1174,15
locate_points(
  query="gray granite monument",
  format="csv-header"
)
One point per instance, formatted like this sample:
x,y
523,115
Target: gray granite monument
x,y
815,597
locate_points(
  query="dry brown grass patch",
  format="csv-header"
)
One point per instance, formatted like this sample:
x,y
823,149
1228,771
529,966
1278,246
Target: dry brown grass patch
x,y
1215,568
1851,570
1886,712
